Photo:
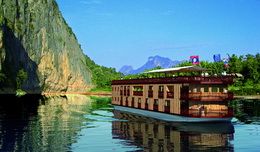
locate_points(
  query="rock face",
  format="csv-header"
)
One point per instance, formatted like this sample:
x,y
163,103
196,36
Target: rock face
x,y
35,37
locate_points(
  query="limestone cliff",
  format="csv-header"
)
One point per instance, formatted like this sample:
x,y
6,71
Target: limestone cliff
x,y
35,37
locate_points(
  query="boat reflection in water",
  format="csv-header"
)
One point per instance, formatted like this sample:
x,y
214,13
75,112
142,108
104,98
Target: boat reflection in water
x,y
153,135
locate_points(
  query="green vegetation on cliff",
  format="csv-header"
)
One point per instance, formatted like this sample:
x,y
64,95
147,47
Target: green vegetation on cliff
x,y
102,76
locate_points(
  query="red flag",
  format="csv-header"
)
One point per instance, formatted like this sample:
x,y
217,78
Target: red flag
x,y
195,59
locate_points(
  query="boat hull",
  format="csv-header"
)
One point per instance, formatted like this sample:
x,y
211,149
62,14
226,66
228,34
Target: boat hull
x,y
168,117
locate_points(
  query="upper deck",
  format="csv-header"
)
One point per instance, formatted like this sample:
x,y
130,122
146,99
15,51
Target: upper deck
x,y
178,80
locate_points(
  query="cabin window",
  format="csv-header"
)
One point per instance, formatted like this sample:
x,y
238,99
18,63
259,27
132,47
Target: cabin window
x,y
206,89
128,90
161,89
121,90
147,101
170,91
214,89
155,102
150,88
221,89
138,90
160,92
150,92
139,100
124,90
167,103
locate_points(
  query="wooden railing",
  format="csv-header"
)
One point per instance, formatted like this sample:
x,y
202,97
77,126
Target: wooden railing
x,y
150,94
208,113
179,79
207,96
138,93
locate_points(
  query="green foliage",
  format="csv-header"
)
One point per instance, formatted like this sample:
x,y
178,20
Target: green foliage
x,y
102,76
20,93
100,102
20,78
106,89
249,67
2,77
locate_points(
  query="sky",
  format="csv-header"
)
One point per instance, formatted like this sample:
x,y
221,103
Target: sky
x,y
114,33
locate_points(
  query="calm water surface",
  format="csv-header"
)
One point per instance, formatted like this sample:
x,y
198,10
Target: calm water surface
x,y
84,123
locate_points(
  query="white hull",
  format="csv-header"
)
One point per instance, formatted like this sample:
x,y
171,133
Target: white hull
x,y
168,117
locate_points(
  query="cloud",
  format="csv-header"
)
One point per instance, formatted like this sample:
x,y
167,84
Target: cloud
x,y
91,2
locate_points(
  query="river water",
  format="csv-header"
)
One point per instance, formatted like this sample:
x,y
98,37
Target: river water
x,y
85,123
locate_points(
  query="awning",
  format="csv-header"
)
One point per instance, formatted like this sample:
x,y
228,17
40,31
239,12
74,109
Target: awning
x,y
179,69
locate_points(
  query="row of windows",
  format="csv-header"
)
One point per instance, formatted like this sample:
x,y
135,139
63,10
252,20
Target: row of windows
x,y
147,101
140,88
206,89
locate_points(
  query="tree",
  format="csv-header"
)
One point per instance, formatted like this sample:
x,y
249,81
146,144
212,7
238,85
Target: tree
x,y
20,78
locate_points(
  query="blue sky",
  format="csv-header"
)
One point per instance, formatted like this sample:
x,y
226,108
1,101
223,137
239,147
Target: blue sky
x,y
126,32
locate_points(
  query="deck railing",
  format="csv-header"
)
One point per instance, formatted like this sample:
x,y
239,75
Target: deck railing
x,y
207,96
138,93
178,79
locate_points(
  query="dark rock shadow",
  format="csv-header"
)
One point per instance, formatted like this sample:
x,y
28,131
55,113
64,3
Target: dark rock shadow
x,y
17,58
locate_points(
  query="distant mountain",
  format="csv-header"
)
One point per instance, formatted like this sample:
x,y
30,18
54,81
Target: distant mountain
x,y
127,69
153,61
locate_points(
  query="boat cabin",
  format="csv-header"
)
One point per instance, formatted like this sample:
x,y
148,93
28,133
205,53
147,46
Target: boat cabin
x,y
171,91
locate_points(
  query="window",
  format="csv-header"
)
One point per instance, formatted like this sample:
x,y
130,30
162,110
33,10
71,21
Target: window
x,y
167,103
194,89
214,89
138,88
206,89
150,88
161,89
156,102
147,101
139,100
170,91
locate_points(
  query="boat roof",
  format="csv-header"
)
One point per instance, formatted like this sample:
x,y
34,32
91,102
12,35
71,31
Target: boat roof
x,y
192,68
